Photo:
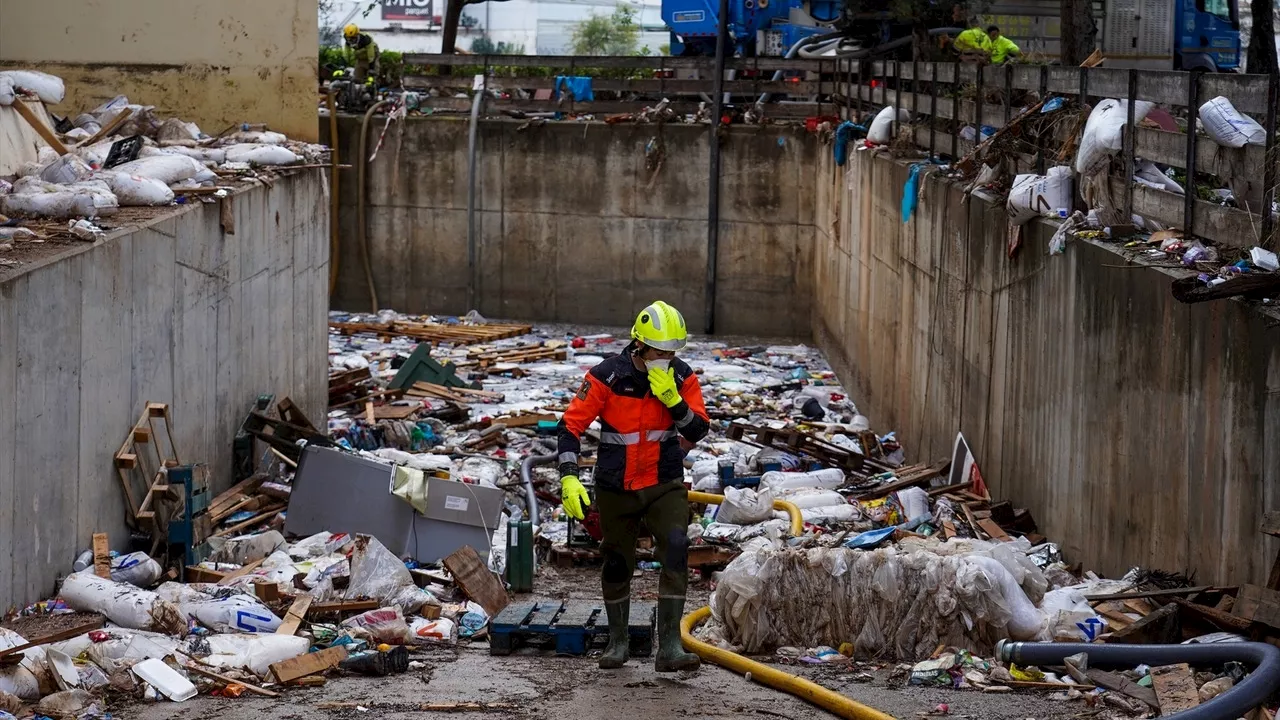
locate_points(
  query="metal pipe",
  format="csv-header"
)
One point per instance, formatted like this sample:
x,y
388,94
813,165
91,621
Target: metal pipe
x,y
361,164
1189,196
1130,130
471,197
333,188
713,183
1269,167
526,476
1236,702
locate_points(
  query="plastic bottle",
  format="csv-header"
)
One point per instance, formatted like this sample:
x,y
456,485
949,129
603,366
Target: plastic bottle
x,y
829,478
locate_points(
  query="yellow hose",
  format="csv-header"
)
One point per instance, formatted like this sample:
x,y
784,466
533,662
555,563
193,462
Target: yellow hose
x,y
797,520
810,692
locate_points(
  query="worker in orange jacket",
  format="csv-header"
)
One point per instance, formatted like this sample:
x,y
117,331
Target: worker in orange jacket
x,y
647,401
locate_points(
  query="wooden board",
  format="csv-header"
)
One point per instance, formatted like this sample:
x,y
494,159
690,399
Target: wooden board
x,y
196,574
293,618
243,570
309,664
1155,593
515,421
101,556
473,576
1122,684
344,606
1175,688
55,637
1258,604
394,412
990,527
229,681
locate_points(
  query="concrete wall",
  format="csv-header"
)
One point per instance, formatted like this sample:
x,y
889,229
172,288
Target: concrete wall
x,y
573,228
177,312
1137,429
212,63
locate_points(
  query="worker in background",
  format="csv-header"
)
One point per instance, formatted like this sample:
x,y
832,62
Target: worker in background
x,y
1002,48
650,407
366,53
974,40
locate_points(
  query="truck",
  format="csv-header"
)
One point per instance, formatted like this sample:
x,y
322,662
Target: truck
x,y
1145,34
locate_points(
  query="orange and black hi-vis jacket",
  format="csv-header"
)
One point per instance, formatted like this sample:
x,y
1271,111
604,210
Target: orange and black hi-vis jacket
x,y
639,436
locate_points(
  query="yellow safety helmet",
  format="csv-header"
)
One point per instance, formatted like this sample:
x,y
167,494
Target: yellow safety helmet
x,y
350,31
660,326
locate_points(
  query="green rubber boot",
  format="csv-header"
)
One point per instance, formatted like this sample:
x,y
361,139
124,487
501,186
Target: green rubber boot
x,y
618,651
671,654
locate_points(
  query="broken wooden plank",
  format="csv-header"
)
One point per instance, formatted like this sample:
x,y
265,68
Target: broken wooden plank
x,y
243,570
265,516
56,637
101,556
1175,688
1258,604
343,606
1162,627
197,574
309,664
991,528
232,681
38,125
1157,593
473,576
293,618
1122,684
1221,620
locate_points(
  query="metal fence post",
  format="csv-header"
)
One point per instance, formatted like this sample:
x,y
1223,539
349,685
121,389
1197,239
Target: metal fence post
x,y
1008,94
857,87
977,110
897,97
933,107
1189,206
1130,141
713,192
1044,94
1269,160
955,113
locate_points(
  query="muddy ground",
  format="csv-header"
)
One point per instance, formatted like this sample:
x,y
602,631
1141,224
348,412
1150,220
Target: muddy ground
x,y
531,685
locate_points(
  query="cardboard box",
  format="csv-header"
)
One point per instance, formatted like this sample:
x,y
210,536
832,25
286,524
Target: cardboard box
x,y
457,514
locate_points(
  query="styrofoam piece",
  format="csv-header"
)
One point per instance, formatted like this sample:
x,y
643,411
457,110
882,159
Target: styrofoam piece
x,y
166,680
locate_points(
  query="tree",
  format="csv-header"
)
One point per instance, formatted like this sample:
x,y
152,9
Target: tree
x,y
1079,31
1262,42
330,36
616,34
484,46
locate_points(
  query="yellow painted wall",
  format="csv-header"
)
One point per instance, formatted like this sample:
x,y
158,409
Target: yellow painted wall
x,y
212,62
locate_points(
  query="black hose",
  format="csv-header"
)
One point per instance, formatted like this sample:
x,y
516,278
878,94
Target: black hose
x,y
1236,702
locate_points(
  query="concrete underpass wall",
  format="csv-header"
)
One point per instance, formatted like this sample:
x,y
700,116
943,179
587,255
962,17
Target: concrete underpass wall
x,y
1137,429
177,312
573,227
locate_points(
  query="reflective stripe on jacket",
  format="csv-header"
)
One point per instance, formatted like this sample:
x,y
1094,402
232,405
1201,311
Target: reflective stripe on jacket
x,y
639,436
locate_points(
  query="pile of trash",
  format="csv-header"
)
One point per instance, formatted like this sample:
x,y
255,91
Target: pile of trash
x,y
120,154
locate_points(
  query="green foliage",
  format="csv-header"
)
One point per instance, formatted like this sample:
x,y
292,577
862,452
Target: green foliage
x,y
616,34
337,58
484,46
390,68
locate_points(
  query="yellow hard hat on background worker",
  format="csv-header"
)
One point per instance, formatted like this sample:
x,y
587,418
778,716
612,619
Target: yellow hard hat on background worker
x,y
350,31
660,326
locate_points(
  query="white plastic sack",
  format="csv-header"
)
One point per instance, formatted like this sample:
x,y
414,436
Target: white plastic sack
x,y
384,625
262,155
7,95
744,506
1228,127
255,653
63,203
245,549
441,630
168,169
830,478
881,129
137,568
126,647
216,156
135,190
48,87
1025,620
65,170
378,574
1104,133
23,679
831,514
1146,173
915,504
220,609
805,498
123,604
1040,195
264,137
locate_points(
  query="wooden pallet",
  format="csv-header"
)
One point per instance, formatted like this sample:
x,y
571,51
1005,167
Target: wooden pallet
x,y
456,394
436,332
798,443
141,460
519,354
569,627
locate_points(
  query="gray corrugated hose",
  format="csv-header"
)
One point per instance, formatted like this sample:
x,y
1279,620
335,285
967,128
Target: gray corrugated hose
x,y
526,475
1236,702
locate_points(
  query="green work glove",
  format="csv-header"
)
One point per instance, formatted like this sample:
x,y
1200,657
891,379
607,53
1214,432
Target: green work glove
x,y
663,385
573,496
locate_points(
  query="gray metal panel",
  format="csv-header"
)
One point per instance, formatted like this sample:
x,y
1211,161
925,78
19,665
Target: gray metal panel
x,y
339,492
457,502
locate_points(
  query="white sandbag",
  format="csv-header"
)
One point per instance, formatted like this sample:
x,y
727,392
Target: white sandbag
x,y
744,506
262,155
7,94
881,129
23,679
136,568
220,609
48,87
265,137
168,169
255,653
1228,127
135,190
805,498
829,478
1040,195
126,647
1104,133
65,170
1147,174
216,156
65,203
123,604
244,549
842,513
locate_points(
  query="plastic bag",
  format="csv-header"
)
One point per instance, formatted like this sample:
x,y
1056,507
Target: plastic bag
x,y
255,653
1146,173
378,574
881,129
221,609
125,605
168,169
244,549
135,190
423,631
1025,620
385,625
48,87
262,155
1104,132
743,506
1040,195
1228,127
65,170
